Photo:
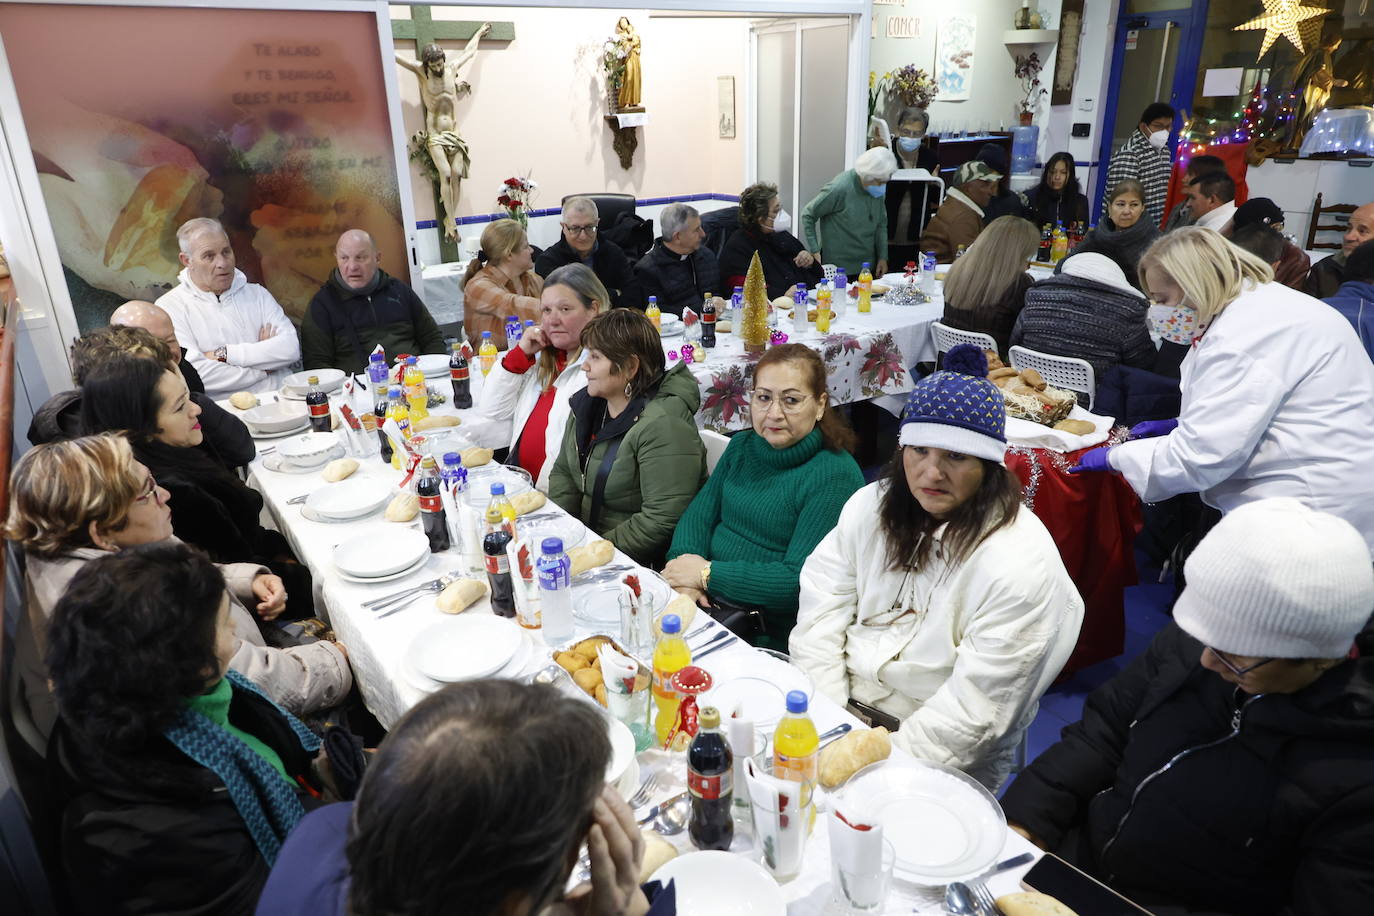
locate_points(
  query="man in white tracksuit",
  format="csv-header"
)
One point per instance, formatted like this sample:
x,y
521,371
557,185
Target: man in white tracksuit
x,y
235,334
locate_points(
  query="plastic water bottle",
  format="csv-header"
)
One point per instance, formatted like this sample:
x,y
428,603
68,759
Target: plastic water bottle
x,y
799,310
453,479
737,309
840,300
554,570
376,370
513,330
928,272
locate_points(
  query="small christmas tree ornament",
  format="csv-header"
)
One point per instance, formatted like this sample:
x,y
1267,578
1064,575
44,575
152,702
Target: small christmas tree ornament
x,y
777,338
754,330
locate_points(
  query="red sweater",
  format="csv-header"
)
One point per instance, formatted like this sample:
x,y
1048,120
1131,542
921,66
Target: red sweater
x,y
530,446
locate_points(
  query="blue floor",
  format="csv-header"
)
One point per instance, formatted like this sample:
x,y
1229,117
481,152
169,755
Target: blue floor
x,y
1146,606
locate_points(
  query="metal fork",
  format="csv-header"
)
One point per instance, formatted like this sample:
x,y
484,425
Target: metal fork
x,y
646,790
297,500
378,603
983,896
398,602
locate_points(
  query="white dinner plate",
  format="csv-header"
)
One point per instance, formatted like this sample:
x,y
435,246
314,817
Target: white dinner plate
x,y
566,528
669,325
257,433
597,606
276,417
349,498
417,566
275,462
308,449
757,685
465,647
721,884
943,825
310,515
298,383
433,365
380,552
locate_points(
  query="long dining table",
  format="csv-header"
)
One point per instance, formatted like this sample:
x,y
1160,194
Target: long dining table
x,y
377,646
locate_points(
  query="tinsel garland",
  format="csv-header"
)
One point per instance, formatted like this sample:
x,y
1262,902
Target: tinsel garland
x,y
905,294
1055,458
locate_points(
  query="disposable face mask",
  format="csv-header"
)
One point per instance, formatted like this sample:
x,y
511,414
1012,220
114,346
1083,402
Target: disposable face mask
x,y
876,190
1159,138
909,144
1176,324
782,222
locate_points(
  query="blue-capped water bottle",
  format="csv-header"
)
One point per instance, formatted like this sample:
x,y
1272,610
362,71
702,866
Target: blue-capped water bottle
x,y
513,330
840,302
554,570
737,309
454,476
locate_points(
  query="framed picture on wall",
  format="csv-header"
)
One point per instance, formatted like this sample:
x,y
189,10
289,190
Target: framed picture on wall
x,y
725,96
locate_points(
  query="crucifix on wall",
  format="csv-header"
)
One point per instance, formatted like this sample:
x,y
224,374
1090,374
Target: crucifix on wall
x,y
440,90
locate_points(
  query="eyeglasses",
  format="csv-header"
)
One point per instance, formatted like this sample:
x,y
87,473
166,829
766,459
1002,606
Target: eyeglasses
x,y
149,489
580,230
1231,667
790,403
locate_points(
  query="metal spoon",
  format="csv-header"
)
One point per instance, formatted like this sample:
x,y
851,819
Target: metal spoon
x,y
959,900
673,815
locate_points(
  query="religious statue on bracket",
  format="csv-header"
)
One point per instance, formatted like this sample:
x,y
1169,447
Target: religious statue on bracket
x,y
620,63
440,90
627,97
1314,79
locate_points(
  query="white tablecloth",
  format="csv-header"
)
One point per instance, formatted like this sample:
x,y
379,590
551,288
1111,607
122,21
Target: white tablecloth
x,y
377,647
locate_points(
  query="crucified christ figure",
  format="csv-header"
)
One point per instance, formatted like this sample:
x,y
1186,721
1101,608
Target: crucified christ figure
x,y
440,90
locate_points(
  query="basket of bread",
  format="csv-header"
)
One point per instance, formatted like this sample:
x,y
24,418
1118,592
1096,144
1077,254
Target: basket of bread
x,y
1028,395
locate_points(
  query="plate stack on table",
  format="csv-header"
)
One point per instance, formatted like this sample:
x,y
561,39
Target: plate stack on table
x,y
305,453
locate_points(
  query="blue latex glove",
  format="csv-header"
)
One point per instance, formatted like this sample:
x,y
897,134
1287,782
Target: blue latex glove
x,y
1150,428
1096,460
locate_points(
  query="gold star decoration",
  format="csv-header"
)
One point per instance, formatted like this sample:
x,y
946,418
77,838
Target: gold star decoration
x,y
1282,17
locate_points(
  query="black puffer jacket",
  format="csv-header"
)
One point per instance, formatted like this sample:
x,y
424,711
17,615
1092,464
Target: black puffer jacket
x,y
678,281
343,325
610,264
1177,789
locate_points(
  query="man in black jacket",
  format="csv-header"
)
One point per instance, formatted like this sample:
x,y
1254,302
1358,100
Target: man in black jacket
x,y
361,306
581,244
679,271
1231,768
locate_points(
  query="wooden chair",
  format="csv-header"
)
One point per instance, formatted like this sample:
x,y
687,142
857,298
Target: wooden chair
x,y
1315,225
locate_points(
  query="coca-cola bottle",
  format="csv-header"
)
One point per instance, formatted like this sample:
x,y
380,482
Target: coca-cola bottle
x,y
458,373
317,402
498,572
432,514
710,781
708,322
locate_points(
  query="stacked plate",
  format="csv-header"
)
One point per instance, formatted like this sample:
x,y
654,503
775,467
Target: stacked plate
x,y
310,450
382,555
349,499
943,825
470,646
295,386
669,325
280,418
433,365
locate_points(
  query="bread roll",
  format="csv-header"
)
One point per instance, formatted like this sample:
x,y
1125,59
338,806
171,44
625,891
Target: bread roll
x,y
339,468
658,852
528,502
460,594
1075,427
844,757
1031,903
403,507
434,422
684,607
782,302
590,556
475,457
1033,379
243,400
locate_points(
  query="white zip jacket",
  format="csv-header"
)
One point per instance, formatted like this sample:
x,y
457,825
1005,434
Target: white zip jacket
x,y
966,671
204,322
509,396
1278,400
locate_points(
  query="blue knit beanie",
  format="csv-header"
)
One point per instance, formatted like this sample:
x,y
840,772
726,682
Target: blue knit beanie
x,y
958,409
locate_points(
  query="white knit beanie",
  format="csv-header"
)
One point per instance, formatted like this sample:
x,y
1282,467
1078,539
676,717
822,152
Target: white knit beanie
x,y
1089,265
1275,579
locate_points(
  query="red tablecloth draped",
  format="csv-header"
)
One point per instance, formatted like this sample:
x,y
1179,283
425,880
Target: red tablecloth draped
x,y
1093,519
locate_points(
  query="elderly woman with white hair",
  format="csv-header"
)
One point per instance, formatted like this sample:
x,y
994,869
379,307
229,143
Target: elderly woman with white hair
x,y
1278,393
846,223
582,243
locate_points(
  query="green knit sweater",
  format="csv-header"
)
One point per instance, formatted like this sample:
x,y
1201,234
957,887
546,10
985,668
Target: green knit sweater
x,y
214,706
760,515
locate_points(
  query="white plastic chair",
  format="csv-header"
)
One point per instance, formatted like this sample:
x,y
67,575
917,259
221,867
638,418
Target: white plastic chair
x,y
715,446
1059,371
947,338
828,271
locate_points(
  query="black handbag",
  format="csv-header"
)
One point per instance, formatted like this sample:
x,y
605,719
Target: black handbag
x,y
745,622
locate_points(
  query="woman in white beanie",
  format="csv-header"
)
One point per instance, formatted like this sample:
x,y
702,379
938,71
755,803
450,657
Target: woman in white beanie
x,y
1278,393
939,605
846,222
1231,767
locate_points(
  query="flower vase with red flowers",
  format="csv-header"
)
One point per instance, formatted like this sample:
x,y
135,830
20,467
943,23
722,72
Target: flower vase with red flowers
x,y
515,197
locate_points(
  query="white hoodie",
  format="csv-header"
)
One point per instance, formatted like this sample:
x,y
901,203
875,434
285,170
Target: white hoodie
x,y
204,322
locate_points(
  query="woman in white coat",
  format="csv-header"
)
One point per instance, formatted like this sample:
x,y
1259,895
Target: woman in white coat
x,y
1278,393
939,602
531,385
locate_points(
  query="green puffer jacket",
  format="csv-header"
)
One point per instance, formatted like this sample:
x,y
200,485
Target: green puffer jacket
x,y
658,466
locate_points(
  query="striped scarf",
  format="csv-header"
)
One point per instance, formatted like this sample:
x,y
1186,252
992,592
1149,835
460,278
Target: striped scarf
x,y
268,805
